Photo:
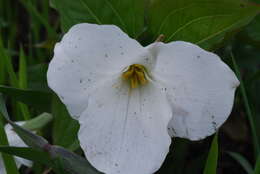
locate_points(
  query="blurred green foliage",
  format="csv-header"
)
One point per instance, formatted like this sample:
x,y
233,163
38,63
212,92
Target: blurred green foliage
x,y
30,28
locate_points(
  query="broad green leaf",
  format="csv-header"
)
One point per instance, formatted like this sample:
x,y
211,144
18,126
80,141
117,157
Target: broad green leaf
x,y
65,129
242,161
128,15
203,22
38,122
254,28
37,79
212,161
38,99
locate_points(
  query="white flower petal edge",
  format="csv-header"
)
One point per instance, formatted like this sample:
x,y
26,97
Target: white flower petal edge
x,y
125,131
200,88
89,54
15,140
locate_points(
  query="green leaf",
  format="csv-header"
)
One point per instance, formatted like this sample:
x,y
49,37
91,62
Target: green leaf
x,y
72,162
23,83
38,99
203,22
257,166
65,128
28,137
212,161
128,15
38,122
254,28
22,70
242,161
32,154
35,13
247,106
8,64
37,79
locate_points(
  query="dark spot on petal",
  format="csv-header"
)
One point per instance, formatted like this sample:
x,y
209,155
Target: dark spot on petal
x,y
198,57
106,55
80,81
122,53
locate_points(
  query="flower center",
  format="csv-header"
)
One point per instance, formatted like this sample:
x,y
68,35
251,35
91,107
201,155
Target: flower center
x,y
136,75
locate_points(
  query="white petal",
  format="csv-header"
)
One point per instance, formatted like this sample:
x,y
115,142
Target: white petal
x,y
124,131
2,167
15,140
87,55
199,85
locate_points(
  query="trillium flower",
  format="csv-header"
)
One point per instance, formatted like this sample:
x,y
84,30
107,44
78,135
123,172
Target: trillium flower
x,y
128,98
14,140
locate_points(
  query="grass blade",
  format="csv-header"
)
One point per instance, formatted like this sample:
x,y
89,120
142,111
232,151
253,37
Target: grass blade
x,y
247,106
38,99
257,166
242,161
23,83
8,64
212,161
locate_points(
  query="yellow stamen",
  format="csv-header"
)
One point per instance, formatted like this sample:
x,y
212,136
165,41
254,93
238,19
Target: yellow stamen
x,y
136,75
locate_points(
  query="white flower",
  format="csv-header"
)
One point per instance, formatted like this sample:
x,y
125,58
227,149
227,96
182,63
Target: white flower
x,y
14,140
124,95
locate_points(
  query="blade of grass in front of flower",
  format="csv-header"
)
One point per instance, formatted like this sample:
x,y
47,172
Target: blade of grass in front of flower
x,y
34,155
9,162
242,161
22,80
39,100
29,153
247,107
212,161
73,163
38,122
28,137
257,166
